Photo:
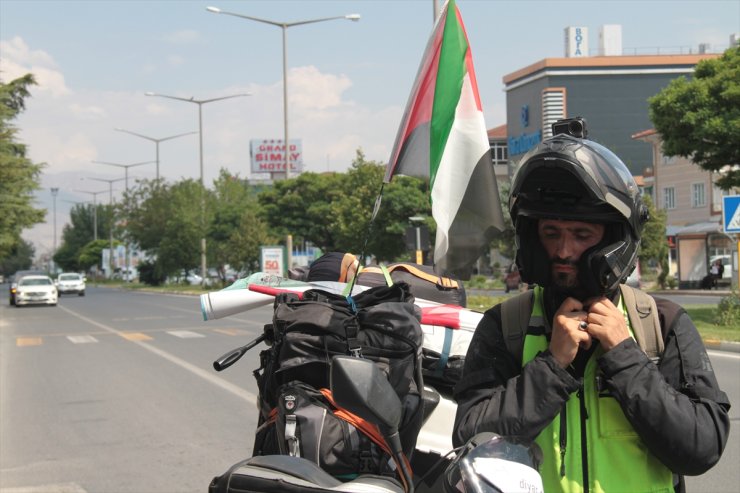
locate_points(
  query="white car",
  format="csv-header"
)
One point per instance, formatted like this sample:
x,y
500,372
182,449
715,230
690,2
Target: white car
x,y
35,290
71,283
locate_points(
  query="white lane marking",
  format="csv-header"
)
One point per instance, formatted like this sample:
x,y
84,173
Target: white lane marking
x,y
185,334
723,354
82,339
47,488
219,382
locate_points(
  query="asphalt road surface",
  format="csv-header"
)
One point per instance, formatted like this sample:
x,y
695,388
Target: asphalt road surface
x,y
115,392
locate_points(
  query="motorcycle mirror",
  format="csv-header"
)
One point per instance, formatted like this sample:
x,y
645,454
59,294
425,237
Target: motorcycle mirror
x,y
360,387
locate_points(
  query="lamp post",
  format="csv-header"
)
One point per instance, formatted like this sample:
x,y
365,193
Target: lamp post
x,y
110,226
95,210
54,192
284,26
200,103
125,167
156,141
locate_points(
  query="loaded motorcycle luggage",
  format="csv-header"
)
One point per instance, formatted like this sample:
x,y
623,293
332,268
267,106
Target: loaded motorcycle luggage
x,y
298,415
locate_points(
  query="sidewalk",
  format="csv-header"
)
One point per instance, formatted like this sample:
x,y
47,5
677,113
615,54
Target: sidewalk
x,y
691,292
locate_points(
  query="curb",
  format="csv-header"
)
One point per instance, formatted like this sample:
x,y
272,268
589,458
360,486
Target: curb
x,y
717,345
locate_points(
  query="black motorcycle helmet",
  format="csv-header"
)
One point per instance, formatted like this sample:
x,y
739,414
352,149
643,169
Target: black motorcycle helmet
x,y
571,178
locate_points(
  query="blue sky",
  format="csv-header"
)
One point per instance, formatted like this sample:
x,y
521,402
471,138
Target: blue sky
x,y
348,81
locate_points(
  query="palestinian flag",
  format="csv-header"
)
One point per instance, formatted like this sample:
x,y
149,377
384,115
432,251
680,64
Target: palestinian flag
x,y
443,137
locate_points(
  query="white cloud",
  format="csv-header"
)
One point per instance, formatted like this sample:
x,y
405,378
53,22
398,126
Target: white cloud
x,y
183,37
69,128
309,89
18,59
175,60
87,112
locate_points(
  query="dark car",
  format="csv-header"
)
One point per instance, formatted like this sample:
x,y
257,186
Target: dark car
x,y
17,276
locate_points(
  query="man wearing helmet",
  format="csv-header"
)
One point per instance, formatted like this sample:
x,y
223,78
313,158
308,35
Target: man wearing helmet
x,y
606,416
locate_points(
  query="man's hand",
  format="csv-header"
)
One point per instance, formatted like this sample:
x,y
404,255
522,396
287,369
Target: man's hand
x,y
567,335
606,323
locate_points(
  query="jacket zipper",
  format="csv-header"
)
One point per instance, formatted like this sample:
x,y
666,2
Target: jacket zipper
x,y
584,438
563,438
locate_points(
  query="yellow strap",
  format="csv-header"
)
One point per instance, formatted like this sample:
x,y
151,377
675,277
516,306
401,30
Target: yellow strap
x,y
441,281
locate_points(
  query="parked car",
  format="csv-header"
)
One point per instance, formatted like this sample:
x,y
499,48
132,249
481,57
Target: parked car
x,y
35,290
16,277
71,283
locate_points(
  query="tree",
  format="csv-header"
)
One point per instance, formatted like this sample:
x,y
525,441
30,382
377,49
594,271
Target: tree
x,y
505,242
302,207
79,232
404,197
700,119
20,258
243,245
19,177
92,254
654,246
235,231
146,209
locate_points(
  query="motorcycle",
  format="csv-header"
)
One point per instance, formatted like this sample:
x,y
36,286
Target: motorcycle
x,y
467,471
488,463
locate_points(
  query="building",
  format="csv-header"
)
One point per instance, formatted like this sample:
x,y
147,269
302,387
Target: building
x,y
693,206
499,153
610,92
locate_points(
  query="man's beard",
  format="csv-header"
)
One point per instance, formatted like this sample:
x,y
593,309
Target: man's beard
x,y
566,284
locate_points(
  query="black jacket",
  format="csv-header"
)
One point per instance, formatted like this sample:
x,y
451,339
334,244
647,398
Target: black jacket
x,y
676,408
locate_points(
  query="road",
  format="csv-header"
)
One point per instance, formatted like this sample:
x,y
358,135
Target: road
x,y
115,392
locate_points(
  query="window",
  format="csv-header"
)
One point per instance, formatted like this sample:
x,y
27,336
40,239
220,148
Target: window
x,y
498,153
553,108
669,198
698,197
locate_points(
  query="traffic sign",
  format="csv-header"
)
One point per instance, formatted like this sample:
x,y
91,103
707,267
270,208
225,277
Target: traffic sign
x,y
731,213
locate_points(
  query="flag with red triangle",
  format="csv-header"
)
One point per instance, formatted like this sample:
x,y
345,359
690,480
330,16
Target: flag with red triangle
x,y
443,136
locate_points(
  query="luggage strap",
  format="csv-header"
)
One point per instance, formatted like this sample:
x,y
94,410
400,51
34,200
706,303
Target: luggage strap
x,y
444,282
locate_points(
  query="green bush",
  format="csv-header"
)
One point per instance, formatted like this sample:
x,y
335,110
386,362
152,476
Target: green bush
x,y
149,273
671,282
476,282
728,311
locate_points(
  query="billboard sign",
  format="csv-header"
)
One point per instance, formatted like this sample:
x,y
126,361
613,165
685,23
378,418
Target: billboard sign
x,y
576,42
273,261
268,156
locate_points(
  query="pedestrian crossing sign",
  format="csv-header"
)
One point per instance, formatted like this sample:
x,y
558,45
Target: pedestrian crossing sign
x,y
731,213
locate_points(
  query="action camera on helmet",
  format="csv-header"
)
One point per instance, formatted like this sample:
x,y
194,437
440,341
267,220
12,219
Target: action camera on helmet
x,y
575,127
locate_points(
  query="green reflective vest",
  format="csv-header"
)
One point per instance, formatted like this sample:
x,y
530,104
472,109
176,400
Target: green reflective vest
x,y
591,441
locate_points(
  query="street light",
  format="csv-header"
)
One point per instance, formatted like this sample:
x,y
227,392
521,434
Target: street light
x,y
110,226
156,141
54,192
95,210
124,166
200,103
284,26
418,222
